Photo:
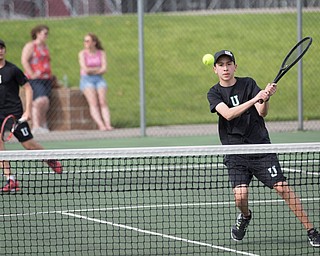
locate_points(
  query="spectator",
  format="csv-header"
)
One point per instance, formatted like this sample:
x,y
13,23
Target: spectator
x,y
35,60
93,64
10,103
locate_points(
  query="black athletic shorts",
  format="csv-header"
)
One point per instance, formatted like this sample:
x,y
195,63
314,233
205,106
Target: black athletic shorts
x,y
23,132
265,167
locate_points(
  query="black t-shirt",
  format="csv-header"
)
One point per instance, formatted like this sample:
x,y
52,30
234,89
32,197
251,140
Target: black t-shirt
x,y
249,128
11,78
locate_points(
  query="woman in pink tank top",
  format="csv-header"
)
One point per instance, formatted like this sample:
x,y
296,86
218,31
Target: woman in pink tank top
x,y
35,60
93,64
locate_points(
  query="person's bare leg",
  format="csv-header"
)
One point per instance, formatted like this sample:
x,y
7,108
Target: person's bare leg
x,y
54,164
294,203
31,145
241,195
93,102
40,107
44,108
5,165
105,112
12,184
241,199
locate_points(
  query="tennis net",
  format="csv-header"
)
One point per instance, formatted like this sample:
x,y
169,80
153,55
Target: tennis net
x,y
153,201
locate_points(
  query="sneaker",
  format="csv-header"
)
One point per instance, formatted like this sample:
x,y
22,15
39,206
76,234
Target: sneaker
x,y
55,166
314,237
11,186
238,231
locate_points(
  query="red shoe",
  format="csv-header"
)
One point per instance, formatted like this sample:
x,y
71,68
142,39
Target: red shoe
x,y
55,166
11,186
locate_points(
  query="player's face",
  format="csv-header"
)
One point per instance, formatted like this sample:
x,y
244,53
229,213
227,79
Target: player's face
x,y
2,52
225,68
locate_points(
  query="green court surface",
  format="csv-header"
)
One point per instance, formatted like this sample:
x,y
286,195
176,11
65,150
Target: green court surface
x,y
150,206
279,137
153,206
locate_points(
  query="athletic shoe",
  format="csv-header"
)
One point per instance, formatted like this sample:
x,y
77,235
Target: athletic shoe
x,y
11,186
238,231
314,237
55,166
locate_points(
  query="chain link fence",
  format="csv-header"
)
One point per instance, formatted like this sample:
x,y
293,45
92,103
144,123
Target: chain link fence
x,y
177,33
53,8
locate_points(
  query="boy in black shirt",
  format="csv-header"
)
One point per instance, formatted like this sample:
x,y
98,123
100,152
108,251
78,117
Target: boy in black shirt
x,y
11,78
241,106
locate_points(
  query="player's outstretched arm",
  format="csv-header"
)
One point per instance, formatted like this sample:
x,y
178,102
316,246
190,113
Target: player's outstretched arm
x,y
28,107
263,105
231,113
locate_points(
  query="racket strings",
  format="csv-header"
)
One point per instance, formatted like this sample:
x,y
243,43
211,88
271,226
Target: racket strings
x,y
8,129
297,53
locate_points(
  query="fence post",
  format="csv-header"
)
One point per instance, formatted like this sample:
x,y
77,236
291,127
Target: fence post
x,y
141,68
300,80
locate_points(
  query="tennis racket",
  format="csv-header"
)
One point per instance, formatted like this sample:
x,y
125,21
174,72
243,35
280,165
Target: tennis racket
x,y
9,125
295,54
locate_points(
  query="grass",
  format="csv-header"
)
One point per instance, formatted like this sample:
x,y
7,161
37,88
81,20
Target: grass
x,y
176,82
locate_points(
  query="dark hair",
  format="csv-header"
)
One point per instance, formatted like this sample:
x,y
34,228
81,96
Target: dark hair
x,y
95,38
38,29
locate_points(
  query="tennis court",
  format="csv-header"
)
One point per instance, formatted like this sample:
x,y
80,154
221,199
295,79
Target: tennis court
x,y
160,201
179,135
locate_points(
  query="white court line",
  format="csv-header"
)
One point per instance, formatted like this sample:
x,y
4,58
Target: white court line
x,y
164,167
300,171
134,207
160,167
159,234
68,212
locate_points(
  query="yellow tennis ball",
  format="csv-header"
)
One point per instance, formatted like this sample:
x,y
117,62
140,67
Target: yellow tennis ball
x,y
208,59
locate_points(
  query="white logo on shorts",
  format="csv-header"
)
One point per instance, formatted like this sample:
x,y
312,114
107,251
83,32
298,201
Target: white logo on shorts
x,y
273,171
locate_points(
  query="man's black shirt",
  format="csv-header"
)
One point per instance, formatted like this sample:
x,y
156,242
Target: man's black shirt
x,y
249,128
11,78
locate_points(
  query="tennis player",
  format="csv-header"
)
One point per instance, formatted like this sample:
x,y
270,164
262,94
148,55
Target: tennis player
x,y
11,78
241,106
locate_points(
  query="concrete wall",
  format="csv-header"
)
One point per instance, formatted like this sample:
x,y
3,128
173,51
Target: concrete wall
x,y
69,110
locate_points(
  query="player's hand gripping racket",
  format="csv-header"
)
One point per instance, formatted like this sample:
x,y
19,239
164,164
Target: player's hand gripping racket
x,y
295,54
9,125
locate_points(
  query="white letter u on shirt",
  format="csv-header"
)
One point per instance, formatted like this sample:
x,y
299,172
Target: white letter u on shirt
x,y
234,100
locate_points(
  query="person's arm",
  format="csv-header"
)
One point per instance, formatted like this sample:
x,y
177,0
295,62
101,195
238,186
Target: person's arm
x,y
231,113
103,69
93,70
28,101
82,62
263,108
99,70
25,57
